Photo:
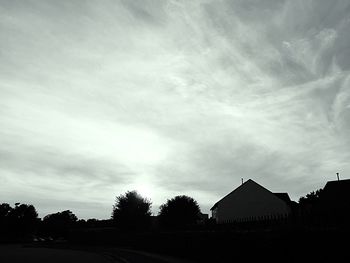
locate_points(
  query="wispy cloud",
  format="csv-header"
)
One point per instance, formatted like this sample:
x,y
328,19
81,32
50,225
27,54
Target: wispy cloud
x,y
170,97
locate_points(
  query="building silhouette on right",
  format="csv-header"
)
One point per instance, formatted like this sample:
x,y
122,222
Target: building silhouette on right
x,y
334,205
251,202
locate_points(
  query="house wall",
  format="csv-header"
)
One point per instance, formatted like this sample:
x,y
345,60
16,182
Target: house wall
x,y
250,202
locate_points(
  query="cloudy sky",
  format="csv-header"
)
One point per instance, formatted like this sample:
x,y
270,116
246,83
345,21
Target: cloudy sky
x,y
169,98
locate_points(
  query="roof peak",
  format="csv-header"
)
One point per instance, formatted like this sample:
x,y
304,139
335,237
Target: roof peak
x,y
244,183
341,180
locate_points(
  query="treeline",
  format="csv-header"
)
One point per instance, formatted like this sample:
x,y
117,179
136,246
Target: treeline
x,y
18,221
180,229
325,208
131,213
21,223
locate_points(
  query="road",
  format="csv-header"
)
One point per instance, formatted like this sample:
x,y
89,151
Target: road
x,y
132,256
25,254
22,254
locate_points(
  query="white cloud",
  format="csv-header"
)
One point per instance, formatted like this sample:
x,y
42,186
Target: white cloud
x,y
171,97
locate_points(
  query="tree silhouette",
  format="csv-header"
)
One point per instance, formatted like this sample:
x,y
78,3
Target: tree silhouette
x,y
131,211
312,197
59,224
311,208
20,220
179,212
5,210
64,217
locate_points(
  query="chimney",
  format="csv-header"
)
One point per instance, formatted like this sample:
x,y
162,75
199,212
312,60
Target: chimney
x,y
338,176
242,180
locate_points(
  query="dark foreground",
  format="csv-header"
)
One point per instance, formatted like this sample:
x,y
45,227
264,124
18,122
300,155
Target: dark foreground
x,y
110,245
24,254
278,245
28,253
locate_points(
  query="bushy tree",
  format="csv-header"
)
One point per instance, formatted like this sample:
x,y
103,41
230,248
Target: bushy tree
x,y
179,212
20,220
131,211
311,208
59,224
5,210
312,197
23,212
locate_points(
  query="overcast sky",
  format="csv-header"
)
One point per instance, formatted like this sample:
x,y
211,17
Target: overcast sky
x,y
169,98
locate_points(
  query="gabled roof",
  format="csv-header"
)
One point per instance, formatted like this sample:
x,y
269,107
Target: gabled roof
x,y
339,185
216,204
337,189
283,196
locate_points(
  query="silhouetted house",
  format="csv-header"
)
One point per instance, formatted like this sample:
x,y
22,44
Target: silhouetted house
x,y
335,202
252,202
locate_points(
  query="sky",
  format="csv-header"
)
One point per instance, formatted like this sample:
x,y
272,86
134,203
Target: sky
x,y
170,98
